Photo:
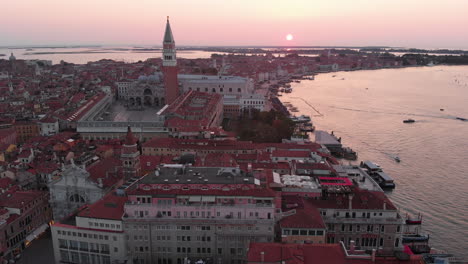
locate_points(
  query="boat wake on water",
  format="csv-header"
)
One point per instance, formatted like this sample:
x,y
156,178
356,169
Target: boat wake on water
x,y
399,113
310,105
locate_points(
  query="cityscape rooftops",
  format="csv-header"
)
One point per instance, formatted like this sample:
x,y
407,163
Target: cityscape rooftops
x,y
211,78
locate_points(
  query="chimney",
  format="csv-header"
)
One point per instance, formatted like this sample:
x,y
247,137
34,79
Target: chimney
x,y
385,205
352,247
350,201
262,256
373,255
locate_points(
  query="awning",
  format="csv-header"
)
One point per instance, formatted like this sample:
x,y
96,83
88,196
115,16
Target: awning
x,y
37,232
195,199
208,199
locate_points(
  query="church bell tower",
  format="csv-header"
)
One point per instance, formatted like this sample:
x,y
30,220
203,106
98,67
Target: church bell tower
x,y
130,156
171,83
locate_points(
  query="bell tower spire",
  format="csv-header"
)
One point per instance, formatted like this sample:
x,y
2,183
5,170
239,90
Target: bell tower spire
x,y
170,71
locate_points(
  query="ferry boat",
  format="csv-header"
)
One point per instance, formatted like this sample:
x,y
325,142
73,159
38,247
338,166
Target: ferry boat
x,y
307,127
415,238
349,154
410,220
383,179
412,236
300,119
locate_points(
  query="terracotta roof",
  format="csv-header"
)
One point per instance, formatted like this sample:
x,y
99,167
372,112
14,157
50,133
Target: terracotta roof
x,y
306,214
19,199
110,206
362,199
109,170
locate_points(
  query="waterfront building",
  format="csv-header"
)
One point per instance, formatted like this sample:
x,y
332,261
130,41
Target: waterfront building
x,y
277,253
368,218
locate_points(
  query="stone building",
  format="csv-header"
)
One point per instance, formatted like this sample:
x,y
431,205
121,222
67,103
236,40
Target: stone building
x,y
182,213
73,190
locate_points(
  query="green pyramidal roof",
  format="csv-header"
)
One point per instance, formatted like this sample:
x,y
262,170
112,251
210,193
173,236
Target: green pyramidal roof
x,y
168,34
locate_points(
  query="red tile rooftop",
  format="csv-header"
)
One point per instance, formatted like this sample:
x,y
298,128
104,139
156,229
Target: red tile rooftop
x,y
110,207
6,183
19,199
291,153
109,170
76,115
306,214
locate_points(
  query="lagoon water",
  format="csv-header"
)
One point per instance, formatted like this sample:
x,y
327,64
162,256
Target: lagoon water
x,y
366,109
82,55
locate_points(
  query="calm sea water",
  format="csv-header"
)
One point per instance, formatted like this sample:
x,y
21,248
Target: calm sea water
x,y
366,109
82,55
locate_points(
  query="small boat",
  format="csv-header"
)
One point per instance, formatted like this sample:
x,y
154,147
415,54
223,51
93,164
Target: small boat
x,y
300,119
415,238
410,220
461,118
397,159
442,109
409,121
349,154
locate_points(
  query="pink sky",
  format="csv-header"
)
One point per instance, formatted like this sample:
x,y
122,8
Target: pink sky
x,y
408,23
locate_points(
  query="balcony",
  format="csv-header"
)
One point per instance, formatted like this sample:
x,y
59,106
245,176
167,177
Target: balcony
x,y
105,252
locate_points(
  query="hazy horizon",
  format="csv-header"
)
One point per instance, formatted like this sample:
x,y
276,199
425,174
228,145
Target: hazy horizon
x,y
399,23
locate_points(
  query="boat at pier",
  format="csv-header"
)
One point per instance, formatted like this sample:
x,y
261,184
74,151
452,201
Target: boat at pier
x,y
383,179
349,154
307,127
411,220
300,119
